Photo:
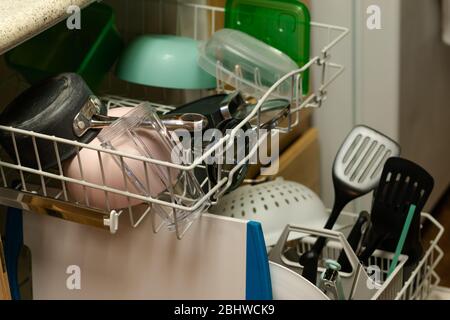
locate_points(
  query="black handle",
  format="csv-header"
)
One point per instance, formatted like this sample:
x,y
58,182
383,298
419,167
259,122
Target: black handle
x,y
373,241
310,259
353,239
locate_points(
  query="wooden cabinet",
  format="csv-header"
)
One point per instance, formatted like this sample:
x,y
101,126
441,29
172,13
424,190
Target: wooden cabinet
x,y
300,162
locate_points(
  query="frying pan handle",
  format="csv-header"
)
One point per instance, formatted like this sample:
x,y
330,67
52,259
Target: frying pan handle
x,y
191,122
230,104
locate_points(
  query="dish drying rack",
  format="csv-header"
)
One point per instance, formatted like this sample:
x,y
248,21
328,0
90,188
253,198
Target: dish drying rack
x,y
43,191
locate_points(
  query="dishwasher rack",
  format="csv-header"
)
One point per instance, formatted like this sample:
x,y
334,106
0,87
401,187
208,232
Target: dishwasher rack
x,y
423,278
405,283
45,191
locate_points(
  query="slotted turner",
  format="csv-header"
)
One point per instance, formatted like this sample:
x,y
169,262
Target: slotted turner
x,y
403,183
356,171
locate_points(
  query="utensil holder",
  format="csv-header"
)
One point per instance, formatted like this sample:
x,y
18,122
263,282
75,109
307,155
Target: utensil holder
x,y
418,287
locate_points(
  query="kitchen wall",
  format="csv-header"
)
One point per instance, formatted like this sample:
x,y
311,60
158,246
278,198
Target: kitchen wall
x,y
397,80
335,118
367,93
425,91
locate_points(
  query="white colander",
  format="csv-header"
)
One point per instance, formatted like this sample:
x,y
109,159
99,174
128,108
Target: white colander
x,y
274,204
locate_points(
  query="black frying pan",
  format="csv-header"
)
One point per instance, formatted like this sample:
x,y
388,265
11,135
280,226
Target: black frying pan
x,y
65,107
225,112
48,107
208,106
219,109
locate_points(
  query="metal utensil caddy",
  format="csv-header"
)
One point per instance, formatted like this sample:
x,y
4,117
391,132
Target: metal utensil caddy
x,y
417,286
41,191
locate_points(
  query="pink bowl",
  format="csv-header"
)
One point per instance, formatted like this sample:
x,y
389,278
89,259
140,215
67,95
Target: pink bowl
x,y
113,175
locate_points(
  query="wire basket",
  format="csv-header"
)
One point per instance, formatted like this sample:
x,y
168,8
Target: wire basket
x,y
44,191
374,283
423,278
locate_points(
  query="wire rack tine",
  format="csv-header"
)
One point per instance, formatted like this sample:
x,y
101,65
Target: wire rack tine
x,y
80,165
213,21
102,172
142,216
22,178
196,22
5,183
38,161
60,170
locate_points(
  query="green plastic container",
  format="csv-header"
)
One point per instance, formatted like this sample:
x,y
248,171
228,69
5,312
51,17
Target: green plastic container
x,y
283,24
164,61
90,51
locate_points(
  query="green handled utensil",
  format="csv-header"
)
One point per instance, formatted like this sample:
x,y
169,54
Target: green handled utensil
x,y
401,241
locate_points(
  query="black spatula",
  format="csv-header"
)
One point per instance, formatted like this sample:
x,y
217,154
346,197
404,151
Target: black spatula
x,y
403,183
356,171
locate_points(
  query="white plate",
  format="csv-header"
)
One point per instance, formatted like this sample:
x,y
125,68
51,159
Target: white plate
x,y
288,285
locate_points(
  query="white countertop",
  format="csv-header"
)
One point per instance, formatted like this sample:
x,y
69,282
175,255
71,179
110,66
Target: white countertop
x,y
22,19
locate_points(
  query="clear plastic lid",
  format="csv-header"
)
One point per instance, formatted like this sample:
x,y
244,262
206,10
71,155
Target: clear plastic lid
x,y
245,63
180,186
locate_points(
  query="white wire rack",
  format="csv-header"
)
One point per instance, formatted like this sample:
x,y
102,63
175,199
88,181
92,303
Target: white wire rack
x,y
415,284
423,278
46,191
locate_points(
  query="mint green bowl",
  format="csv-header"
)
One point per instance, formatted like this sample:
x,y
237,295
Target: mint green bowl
x,y
164,61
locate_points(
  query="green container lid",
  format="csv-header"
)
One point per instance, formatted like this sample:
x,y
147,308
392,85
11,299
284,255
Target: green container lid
x,y
282,24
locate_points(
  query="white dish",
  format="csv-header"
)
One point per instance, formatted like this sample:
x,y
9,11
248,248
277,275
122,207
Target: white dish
x,y
288,285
